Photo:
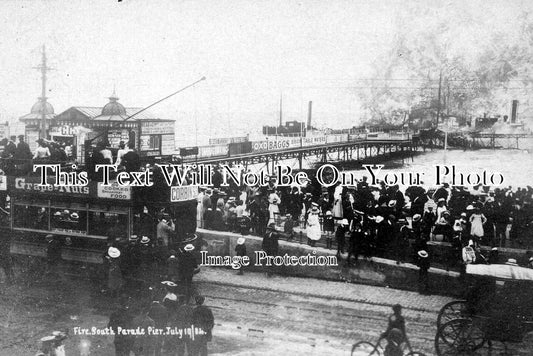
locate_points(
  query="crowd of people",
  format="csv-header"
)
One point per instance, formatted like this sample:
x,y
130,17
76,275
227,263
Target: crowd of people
x,y
361,220
379,220
19,153
150,281
181,327
17,157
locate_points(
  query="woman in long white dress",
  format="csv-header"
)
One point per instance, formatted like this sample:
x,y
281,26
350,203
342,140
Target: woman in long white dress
x,y
477,220
200,209
337,203
273,207
313,231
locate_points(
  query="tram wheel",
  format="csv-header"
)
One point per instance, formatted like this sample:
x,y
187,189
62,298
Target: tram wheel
x,y
365,348
459,337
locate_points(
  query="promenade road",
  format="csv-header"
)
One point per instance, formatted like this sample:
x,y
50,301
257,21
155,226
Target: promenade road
x,y
254,315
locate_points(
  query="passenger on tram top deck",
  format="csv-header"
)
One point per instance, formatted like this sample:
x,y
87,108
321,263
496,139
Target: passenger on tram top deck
x,y
41,152
131,159
10,148
122,150
23,151
106,153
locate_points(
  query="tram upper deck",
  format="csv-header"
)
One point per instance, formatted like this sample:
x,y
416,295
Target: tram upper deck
x,y
93,210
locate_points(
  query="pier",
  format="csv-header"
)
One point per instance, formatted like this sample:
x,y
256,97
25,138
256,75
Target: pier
x,y
358,149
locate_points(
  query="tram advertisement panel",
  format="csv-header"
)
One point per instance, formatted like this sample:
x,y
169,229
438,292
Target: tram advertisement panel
x,y
114,191
93,189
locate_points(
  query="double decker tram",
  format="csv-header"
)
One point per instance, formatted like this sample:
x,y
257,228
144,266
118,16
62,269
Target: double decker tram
x,y
85,219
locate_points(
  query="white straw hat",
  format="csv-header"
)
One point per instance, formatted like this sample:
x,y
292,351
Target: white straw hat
x,y
423,254
113,252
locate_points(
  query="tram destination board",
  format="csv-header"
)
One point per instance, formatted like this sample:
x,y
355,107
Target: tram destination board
x,y
185,193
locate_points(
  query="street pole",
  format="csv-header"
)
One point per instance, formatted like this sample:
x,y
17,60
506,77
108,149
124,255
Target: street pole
x,y
438,98
43,68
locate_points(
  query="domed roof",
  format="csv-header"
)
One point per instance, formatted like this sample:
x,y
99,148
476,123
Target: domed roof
x,y
37,108
113,107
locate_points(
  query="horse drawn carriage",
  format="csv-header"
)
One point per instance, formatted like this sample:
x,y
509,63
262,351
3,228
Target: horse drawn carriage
x,y
497,309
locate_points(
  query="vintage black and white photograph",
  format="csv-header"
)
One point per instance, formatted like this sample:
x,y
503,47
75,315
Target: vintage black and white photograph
x,y
253,177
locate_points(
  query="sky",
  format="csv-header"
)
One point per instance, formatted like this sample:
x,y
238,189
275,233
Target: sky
x,y
252,53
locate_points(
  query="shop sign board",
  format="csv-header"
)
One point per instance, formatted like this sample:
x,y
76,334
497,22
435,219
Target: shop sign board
x,y
157,127
115,136
168,146
64,130
149,153
145,142
188,151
